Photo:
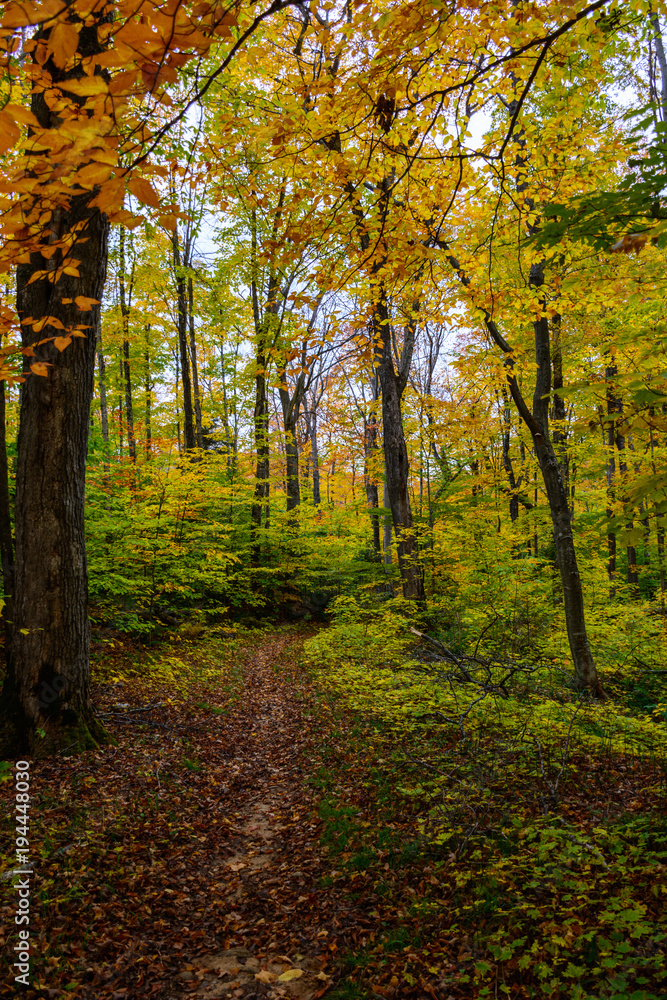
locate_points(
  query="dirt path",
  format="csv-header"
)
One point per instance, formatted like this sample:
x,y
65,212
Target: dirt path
x,y
185,860
269,863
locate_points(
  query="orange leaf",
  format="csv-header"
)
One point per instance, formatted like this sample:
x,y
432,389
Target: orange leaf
x,y
62,342
63,43
125,82
85,303
39,368
88,86
144,191
18,15
21,114
169,222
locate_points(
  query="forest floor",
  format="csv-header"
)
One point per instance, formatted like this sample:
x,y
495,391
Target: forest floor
x,y
223,848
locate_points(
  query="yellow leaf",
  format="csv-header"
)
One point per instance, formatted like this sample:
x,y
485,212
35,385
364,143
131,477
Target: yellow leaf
x,y
21,114
287,977
93,174
144,191
47,321
9,131
63,43
88,86
85,303
39,368
62,342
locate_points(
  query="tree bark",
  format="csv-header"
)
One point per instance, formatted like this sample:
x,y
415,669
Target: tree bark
x,y
45,704
371,449
6,540
189,439
148,390
397,466
104,406
195,370
537,422
125,300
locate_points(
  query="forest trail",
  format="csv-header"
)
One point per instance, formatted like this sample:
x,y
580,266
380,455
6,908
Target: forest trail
x,y
271,863
186,859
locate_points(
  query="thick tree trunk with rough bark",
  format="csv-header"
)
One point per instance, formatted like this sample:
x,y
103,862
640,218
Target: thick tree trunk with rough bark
x,y
45,704
47,684
397,466
6,540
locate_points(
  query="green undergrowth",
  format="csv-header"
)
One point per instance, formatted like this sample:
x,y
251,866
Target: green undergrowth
x,y
519,849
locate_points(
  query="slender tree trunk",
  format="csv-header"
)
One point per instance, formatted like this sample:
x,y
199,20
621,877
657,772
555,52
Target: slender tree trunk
x,y
195,370
182,305
104,406
148,390
291,407
292,467
260,507
386,526
45,704
617,440
537,422
507,459
315,458
125,364
129,409
6,540
660,544
121,416
559,411
370,473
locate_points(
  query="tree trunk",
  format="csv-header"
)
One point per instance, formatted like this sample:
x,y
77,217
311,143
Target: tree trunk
x,y
507,459
617,441
125,364
104,406
397,467
148,390
559,411
372,495
291,408
314,448
129,409
537,422
45,703
188,424
195,370
660,544
292,467
6,541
